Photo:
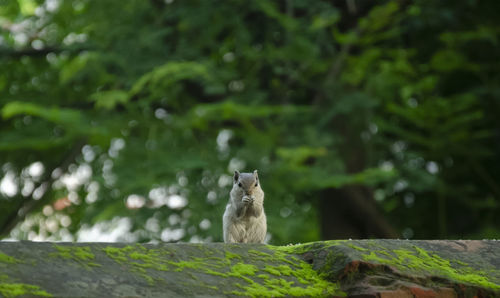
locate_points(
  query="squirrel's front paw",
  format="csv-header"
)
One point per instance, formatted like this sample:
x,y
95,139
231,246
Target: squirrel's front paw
x,y
247,200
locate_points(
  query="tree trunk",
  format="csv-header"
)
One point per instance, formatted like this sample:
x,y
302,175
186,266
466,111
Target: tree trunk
x,y
351,213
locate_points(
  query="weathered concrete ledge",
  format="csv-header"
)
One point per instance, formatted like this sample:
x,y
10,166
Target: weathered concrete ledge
x,y
364,268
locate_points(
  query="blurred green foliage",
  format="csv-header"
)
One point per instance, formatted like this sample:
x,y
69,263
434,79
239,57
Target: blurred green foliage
x,y
132,115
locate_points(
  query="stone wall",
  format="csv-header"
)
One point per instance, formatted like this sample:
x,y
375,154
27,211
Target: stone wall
x,y
363,268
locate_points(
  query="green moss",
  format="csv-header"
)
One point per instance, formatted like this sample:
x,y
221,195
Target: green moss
x,y
257,290
280,283
279,287
230,256
302,271
285,270
8,259
357,247
149,259
212,272
460,263
9,288
278,270
18,289
205,285
293,248
243,269
375,258
271,270
306,247
141,256
259,253
299,249
186,264
148,278
286,274
81,255
420,261
117,254
138,258
304,280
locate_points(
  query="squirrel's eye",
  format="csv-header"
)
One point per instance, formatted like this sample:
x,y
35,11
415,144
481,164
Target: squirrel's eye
x,y
239,184
256,184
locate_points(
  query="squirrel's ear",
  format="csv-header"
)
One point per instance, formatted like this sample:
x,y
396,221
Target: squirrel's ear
x,y
236,175
255,174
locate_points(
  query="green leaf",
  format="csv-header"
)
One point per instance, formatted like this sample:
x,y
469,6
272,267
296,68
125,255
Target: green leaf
x,y
107,100
74,67
270,9
369,177
379,17
300,154
351,37
19,142
55,114
168,74
27,7
229,110
8,9
447,60
327,19
318,179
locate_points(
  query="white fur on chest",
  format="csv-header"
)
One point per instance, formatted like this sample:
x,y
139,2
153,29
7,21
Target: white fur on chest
x,y
247,229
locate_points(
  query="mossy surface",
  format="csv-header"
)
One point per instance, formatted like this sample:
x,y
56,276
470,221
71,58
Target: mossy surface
x,y
302,248
421,262
272,285
10,288
6,259
260,273
138,259
329,268
437,262
312,283
241,269
81,255
20,289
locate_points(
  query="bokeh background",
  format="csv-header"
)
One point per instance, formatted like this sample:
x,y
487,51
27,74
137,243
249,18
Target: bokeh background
x,y
124,120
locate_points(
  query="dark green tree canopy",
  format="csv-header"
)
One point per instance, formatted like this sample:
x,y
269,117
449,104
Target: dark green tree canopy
x,y
364,119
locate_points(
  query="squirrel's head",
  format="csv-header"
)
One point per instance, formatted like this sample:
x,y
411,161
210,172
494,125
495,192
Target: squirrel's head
x,y
246,183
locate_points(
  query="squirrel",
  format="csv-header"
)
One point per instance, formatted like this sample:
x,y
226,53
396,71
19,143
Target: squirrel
x,y
244,220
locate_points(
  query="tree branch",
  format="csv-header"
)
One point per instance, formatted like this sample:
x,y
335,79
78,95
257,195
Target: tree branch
x,y
11,53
